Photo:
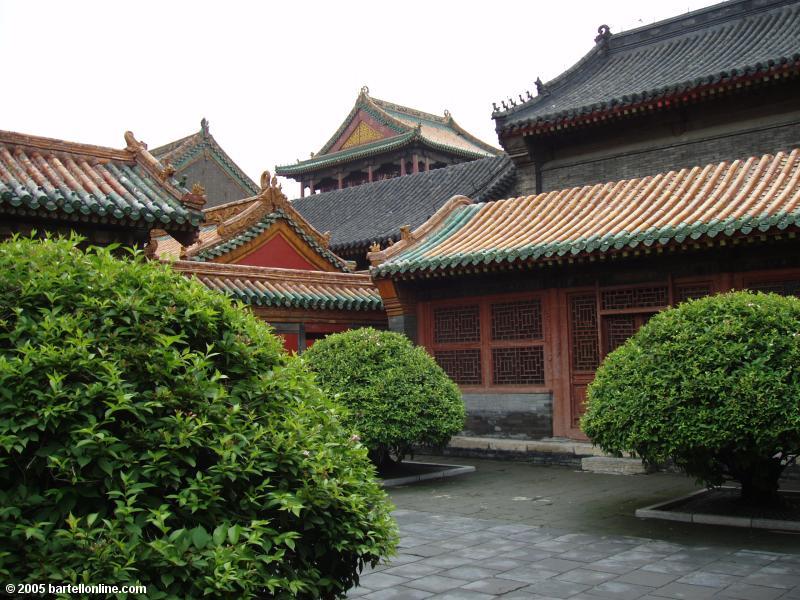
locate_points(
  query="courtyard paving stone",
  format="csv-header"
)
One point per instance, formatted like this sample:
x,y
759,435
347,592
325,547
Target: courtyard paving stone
x,y
484,536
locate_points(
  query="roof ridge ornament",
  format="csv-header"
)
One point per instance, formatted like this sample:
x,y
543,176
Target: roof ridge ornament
x,y
365,90
541,88
603,35
204,127
196,198
162,171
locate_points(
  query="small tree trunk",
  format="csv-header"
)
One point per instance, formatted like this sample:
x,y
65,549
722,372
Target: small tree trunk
x,y
760,484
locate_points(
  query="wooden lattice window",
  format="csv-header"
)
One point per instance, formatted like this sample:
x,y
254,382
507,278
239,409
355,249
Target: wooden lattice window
x,y
691,291
518,366
583,331
618,328
463,366
635,297
491,342
789,287
457,324
517,320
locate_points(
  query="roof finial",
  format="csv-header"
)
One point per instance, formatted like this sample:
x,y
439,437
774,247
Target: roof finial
x,y
365,90
204,126
603,34
494,107
132,144
541,89
446,114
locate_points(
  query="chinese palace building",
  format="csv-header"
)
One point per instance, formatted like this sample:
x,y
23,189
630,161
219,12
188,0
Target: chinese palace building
x,y
380,140
107,195
664,166
714,84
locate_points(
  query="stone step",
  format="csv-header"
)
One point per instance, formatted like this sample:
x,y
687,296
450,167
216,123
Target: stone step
x,y
612,465
555,451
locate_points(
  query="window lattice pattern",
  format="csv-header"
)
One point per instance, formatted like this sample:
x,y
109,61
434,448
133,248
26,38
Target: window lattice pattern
x,y
618,328
583,326
635,297
784,288
691,291
462,366
518,366
458,324
517,320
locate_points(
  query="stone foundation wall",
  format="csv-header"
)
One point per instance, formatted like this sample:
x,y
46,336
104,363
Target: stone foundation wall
x,y
523,416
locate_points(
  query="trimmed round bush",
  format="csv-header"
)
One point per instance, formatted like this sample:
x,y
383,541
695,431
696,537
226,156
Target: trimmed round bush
x,y
396,394
712,385
153,433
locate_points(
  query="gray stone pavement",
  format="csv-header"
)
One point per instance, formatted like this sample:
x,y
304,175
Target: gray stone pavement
x,y
514,530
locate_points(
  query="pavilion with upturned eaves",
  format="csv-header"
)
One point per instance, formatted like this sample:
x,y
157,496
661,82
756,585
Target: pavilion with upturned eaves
x,y
380,140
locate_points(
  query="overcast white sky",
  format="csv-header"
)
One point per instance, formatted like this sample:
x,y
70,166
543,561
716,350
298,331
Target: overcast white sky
x,y
275,79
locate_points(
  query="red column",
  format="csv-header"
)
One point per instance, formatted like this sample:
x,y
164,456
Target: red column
x,y
340,180
302,189
310,187
369,173
427,164
402,166
415,168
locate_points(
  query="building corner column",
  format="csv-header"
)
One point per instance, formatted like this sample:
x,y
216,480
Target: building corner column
x,y
401,308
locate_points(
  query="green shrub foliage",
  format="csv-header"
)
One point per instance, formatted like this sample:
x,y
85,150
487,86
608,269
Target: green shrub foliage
x,y
713,385
153,433
396,393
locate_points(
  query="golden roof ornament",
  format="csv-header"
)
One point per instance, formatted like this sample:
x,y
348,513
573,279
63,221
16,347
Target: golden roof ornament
x,y
168,171
375,247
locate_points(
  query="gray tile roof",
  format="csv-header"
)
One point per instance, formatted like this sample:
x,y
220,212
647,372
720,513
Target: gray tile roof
x,y
374,212
723,42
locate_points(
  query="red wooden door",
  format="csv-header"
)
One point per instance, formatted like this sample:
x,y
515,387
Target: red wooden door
x,y
584,352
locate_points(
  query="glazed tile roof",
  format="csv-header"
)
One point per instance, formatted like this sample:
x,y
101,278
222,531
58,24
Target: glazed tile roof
x,y
723,47
65,181
287,288
374,212
411,126
181,152
237,223
726,199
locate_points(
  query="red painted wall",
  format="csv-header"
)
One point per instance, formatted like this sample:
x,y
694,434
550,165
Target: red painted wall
x,y
290,341
277,252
